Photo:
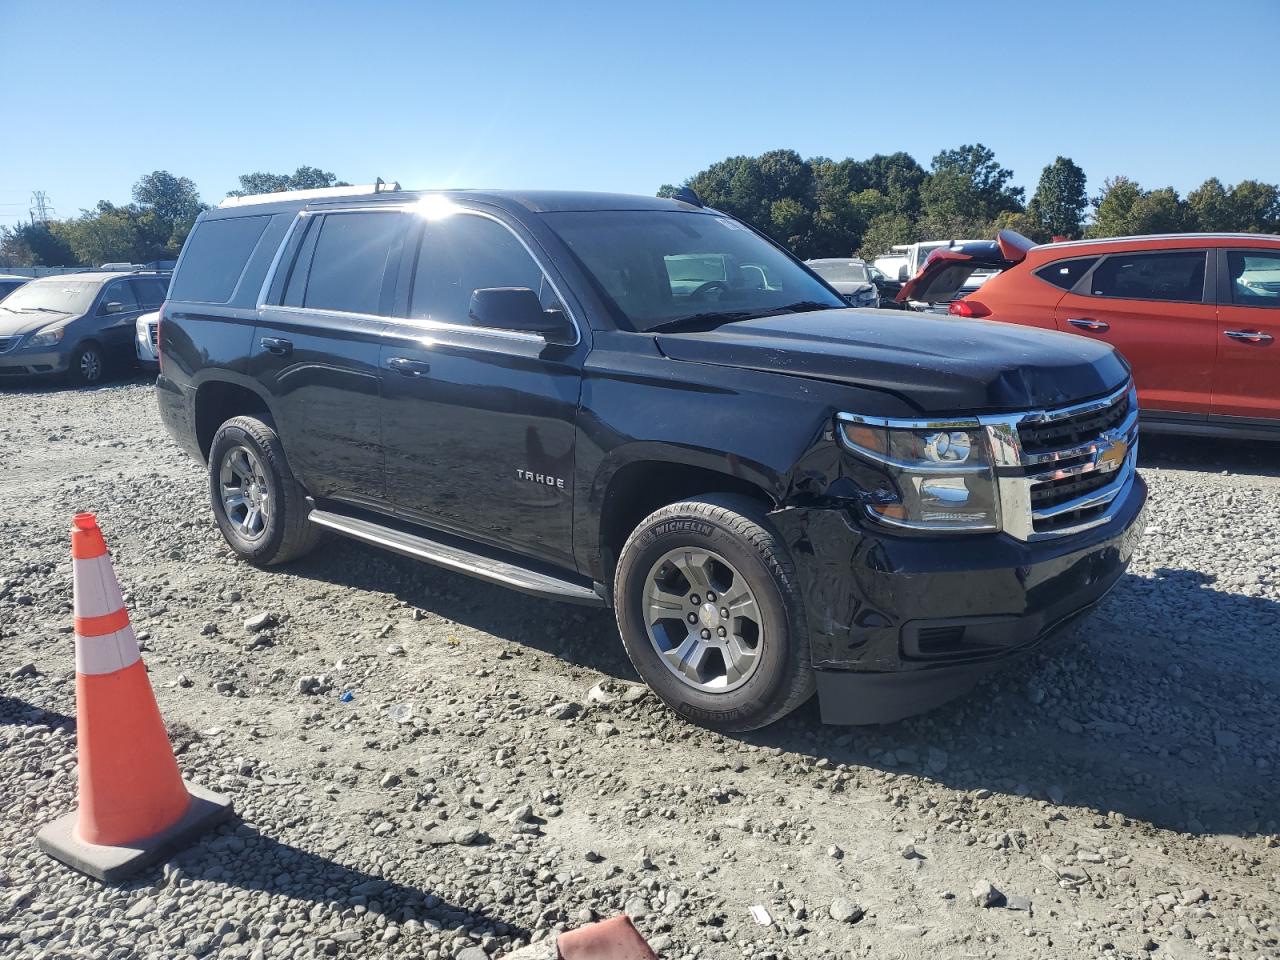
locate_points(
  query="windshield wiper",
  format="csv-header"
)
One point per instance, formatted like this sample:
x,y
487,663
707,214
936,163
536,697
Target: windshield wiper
x,y
709,319
41,309
803,306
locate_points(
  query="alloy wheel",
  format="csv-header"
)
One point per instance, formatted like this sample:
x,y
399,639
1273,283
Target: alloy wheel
x,y
246,498
703,619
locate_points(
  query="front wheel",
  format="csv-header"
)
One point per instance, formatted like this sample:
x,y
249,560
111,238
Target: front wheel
x,y
87,365
711,615
260,507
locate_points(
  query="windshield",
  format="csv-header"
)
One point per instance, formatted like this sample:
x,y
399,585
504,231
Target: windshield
x,y
655,267
840,271
53,294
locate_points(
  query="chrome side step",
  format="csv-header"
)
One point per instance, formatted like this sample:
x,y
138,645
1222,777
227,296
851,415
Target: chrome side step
x,y
455,558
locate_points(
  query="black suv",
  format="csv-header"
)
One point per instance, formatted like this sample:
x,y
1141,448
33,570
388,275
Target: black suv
x,y
645,403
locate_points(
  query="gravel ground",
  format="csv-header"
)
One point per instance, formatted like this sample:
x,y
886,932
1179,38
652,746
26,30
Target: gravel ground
x,y
427,766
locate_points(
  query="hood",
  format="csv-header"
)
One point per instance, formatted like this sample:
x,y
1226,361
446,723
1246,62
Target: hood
x,y
15,322
940,365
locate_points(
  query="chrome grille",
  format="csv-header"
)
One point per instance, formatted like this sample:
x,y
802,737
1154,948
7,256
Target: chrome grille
x,y
8,343
1037,437
1059,471
153,331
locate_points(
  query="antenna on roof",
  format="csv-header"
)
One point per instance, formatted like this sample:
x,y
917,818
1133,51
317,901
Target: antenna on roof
x,y
687,195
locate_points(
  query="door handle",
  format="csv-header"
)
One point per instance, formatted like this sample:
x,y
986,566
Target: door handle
x,y
1085,323
409,368
1249,336
276,345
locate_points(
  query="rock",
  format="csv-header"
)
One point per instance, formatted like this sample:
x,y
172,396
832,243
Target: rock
x,y
592,857
260,621
605,729
598,694
26,670
471,953
465,836
521,814
635,907
1018,903
835,853
985,895
843,910
909,852
563,711
389,780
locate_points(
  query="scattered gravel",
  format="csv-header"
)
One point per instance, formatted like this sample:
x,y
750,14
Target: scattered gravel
x,y
426,766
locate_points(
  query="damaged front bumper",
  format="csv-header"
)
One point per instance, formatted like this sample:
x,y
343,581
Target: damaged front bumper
x,y
899,625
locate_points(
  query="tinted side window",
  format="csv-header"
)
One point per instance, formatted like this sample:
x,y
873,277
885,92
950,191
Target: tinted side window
x,y
465,253
1151,276
150,293
118,291
214,258
296,283
350,261
1255,278
1065,273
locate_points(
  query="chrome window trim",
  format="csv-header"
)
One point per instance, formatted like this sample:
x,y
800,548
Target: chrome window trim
x,y
1015,473
423,322
275,260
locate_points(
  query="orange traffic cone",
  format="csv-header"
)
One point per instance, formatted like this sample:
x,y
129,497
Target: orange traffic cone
x,y
135,808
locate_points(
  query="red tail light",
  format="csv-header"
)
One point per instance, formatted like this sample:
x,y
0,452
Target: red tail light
x,y
968,308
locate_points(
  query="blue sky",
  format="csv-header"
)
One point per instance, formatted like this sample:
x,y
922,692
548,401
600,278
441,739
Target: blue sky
x,y
618,96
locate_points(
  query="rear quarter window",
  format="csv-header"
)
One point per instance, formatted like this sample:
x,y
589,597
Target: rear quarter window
x,y
215,258
1065,273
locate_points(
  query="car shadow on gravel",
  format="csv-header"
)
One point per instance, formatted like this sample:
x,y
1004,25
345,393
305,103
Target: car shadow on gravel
x,y
241,856
1162,763
586,636
36,386
1210,455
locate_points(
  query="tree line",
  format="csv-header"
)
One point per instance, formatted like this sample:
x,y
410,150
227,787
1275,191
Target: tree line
x,y
153,227
816,207
835,208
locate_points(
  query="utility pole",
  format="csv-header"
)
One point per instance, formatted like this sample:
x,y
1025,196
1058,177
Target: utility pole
x,y
41,209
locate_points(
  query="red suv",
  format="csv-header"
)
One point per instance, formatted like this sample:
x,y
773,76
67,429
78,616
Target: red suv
x,y
1196,315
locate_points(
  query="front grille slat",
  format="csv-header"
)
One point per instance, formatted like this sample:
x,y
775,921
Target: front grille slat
x,y
8,343
1043,436
1072,436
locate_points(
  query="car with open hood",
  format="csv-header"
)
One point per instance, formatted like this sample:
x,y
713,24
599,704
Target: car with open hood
x,y
1196,315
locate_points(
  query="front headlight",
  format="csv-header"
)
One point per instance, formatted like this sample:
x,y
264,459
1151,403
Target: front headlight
x,y
46,338
940,472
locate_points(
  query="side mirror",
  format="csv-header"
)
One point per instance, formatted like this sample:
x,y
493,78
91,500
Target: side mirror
x,y
518,308
114,306
903,274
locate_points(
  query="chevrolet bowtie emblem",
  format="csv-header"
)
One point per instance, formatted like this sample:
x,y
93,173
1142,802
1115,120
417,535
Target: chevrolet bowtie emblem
x,y
1112,456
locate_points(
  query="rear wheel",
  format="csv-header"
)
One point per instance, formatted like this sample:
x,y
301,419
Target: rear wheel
x,y
710,613
260,507
87,365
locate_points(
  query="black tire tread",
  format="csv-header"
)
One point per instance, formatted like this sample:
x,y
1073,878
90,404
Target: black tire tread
x,y
300,535
746,519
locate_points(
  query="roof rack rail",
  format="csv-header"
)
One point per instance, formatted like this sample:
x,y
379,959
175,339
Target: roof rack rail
x,y
355,190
